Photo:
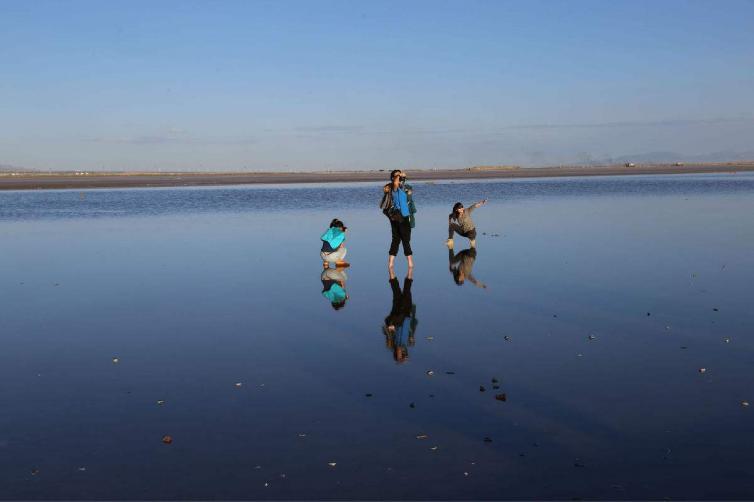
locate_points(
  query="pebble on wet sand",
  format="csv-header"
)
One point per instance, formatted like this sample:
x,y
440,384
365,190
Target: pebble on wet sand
x,y
167,439
501,397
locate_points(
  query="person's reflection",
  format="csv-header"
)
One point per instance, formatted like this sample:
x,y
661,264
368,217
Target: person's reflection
x,y
461,265
334,287
400,324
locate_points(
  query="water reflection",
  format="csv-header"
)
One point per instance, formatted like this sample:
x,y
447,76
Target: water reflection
x,y
461,267
400,324
334,287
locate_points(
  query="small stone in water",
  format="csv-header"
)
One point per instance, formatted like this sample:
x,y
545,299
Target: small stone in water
x,y
716,309
726,339
507,338
481,388
434,448
592,337
487,440
494,380
238,384
422,436
369,395
430,337
332,464
495,387
167,439
430,373
702,370
160,402
450,372
82,469
412,405
501,397
116,360
744,403
34,472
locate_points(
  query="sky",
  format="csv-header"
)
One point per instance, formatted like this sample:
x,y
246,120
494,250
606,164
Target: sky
x,y
321,85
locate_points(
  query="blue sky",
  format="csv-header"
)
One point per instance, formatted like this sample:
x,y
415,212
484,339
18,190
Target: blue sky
x,y
308,85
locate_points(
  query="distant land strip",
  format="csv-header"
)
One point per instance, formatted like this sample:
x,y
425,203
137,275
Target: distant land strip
x,y
75,180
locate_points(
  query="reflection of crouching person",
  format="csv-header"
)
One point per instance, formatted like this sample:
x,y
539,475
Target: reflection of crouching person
x,y
333,245
333,287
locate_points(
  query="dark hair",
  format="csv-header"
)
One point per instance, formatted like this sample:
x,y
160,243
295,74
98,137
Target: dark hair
x,y
337,224
393,173
338,305
457,277
456,207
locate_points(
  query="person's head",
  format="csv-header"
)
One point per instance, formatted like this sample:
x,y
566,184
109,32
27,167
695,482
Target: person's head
x,y
397,177
338,305
457,209
459,277
336,223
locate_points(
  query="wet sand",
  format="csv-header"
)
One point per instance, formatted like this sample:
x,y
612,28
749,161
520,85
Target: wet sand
x,y
63,180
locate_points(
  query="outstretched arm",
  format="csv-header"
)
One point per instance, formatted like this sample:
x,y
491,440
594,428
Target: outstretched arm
x,y
480,203
475,282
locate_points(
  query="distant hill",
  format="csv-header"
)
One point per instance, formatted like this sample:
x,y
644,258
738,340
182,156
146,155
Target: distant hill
x,y
672,157
8,168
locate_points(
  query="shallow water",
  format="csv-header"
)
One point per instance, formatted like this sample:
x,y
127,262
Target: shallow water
x,y
196,290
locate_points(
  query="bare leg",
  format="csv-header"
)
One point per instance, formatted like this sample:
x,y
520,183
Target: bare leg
x,y
391,262
410,259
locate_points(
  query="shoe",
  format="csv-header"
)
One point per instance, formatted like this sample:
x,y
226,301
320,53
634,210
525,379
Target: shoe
x,y
342,264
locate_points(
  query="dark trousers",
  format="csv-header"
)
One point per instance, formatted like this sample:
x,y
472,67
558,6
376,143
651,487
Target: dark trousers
x,y
401,234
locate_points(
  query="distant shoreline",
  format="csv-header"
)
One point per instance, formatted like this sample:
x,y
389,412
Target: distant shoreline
x,y
70,180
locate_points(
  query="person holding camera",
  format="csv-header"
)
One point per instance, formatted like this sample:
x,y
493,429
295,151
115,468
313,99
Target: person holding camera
x,y
396,205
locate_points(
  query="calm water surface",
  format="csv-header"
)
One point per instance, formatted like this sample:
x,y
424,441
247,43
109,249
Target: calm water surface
x,y
604,298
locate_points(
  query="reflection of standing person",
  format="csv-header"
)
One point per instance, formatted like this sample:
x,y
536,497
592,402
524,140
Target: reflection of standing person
x,y
461,265
334,287
400,324
460,222
395,205
333,245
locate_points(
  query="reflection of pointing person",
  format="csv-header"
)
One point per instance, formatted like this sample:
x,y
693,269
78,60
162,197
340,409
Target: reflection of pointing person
x,y
460,222
461,265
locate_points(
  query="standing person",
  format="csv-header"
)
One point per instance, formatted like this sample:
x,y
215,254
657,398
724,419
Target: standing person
x,y
460,222
333,245
395,205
